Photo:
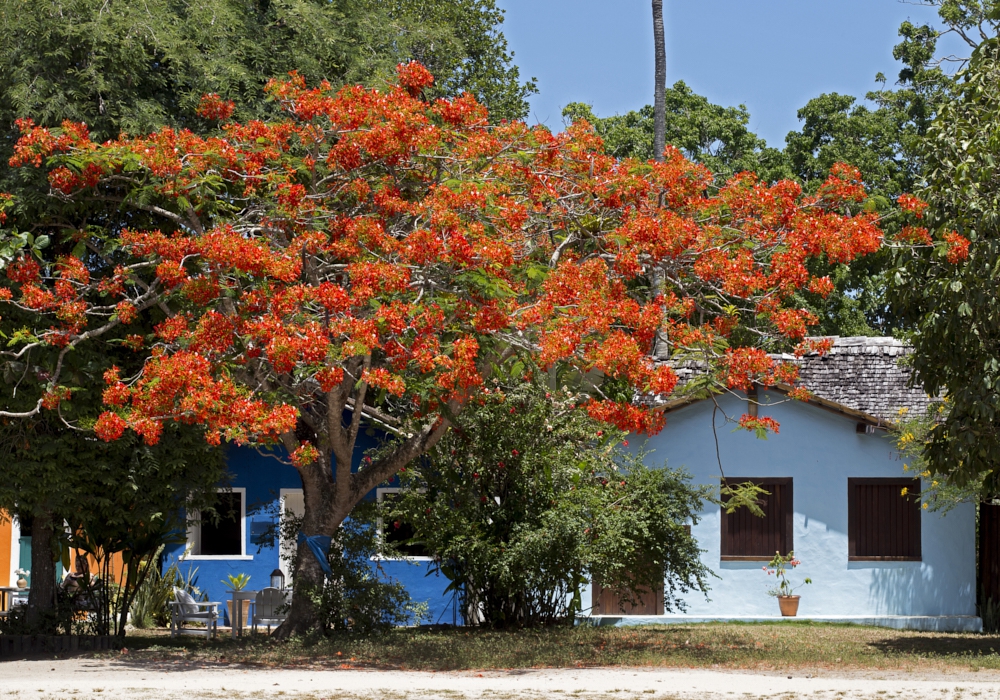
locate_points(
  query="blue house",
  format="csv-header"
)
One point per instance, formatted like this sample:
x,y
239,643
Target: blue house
x,y
260,490
834,479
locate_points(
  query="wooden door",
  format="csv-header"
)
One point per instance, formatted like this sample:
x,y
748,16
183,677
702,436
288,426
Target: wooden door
x,y
609,601
989,552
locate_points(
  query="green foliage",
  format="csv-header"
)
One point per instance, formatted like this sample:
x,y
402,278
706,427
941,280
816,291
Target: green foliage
x,y
123,498
136,66
952,306
913,435
526,498
359,599
706,133
237,582
150,606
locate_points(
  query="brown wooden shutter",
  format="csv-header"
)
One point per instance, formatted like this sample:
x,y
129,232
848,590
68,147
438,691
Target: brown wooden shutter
x,y
747,537
883,524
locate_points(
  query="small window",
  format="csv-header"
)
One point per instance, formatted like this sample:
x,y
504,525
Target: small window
x,y
883,523
748,537
397,532
222,537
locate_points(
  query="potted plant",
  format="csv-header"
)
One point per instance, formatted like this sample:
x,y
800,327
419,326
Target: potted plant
x,y
783,590
22,575
235,584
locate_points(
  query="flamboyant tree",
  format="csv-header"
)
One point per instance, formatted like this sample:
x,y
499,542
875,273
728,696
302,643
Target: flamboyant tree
x,y
373,256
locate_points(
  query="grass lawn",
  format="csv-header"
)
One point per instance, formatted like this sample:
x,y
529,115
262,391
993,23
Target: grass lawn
x,y
776,646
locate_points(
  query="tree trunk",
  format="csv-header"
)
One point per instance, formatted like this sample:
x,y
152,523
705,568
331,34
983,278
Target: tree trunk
x,y
321,517
41,598
659,95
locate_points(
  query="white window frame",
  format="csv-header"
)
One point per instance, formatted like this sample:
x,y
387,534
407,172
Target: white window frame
x,y
284,563
194,534
379,492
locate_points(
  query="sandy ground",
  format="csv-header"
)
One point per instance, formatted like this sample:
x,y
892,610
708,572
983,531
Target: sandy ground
x,y
89,678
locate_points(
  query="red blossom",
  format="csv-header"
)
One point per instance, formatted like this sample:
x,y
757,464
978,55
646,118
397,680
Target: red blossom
x,y
215,108
110,426
758,423
958,247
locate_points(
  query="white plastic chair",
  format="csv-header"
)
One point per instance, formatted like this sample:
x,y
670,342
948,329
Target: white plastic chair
x,y
266,608
184,608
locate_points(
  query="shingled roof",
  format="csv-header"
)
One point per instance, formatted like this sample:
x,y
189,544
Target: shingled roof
x,y
865,375
859,375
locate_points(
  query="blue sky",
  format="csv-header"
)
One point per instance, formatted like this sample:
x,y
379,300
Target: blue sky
x,y
771,55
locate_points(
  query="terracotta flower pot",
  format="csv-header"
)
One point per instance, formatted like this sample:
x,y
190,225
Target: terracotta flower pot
x,y
246,613
789,605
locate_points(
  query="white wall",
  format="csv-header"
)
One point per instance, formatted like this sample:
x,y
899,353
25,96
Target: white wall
x,y
819,450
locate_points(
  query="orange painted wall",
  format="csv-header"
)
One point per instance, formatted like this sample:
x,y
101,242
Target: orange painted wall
x,y
6,532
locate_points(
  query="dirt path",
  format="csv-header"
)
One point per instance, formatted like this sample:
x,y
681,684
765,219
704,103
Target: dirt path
x,y
89,678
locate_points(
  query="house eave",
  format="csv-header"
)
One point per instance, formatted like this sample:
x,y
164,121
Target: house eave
x,y
825,404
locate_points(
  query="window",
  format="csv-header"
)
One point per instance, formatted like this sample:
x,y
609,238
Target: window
x,y
399,533
747,537
224,538
883,524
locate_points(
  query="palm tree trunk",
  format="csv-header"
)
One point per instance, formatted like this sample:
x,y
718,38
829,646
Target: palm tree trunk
x,y
659,100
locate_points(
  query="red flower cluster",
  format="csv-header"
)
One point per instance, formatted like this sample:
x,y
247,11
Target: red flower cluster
x,y
958,247
214,107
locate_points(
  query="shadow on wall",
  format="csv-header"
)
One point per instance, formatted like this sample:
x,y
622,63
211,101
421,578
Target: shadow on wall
x,y
910,588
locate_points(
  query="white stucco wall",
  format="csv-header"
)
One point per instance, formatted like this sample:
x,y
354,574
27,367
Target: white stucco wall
x,y
819,450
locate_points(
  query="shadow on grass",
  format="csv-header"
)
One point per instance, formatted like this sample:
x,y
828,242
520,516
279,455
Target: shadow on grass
x,y
939,646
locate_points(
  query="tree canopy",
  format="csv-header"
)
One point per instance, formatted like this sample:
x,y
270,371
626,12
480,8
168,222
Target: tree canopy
x,y
375,253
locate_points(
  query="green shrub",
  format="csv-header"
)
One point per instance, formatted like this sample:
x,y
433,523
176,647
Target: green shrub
x,y
527,499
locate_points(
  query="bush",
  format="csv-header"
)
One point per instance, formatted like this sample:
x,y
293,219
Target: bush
x,y
527,499
151,604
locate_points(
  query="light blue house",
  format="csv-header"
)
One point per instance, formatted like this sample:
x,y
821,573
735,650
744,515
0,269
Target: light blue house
x,y
835,481
835,478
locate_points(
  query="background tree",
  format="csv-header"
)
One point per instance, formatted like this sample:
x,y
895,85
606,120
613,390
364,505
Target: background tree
x,y
102,499
374,255
946,289
525,500
715,136
137,66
